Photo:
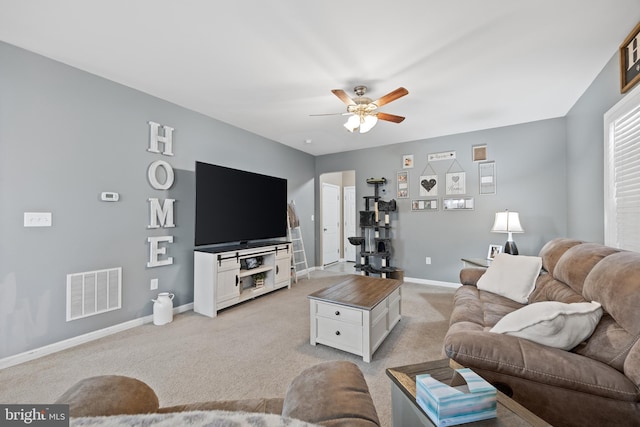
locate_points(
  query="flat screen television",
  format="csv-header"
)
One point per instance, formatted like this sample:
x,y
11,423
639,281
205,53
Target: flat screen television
x,y
236,206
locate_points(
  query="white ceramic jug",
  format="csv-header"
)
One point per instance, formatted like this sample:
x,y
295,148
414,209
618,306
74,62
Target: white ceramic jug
x,y
163,308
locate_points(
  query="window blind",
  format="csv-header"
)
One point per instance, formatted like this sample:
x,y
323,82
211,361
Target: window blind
x,y
622,182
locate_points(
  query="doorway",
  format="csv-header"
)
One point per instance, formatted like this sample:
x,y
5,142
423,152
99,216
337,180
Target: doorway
x,y
330,223
337,201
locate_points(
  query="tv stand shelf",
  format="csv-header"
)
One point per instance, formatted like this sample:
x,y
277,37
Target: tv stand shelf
x,y
220,279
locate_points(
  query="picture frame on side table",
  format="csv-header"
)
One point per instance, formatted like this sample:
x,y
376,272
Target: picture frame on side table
x,y
493,251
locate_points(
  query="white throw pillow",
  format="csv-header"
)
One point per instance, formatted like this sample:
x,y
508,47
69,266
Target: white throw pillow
x,y
512,276
552,323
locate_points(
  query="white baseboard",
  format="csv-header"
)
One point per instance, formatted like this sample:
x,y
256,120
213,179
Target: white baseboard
x,y
432,282
81,339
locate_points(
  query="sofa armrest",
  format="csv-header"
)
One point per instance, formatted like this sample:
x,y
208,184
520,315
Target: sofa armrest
x,y
109,395
470,275
331,394
511,356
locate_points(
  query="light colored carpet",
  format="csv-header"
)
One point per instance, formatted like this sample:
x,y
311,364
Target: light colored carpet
x,y
250,350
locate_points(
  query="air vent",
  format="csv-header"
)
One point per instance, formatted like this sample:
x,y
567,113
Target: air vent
x,y
93,292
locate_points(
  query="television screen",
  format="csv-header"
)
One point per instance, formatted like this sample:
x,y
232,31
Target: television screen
x,y
238,206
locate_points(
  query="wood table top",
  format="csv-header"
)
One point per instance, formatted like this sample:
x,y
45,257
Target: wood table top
x,y
510,412
363,292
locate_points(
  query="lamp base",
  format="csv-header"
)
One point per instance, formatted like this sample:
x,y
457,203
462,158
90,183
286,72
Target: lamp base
x,y
511,248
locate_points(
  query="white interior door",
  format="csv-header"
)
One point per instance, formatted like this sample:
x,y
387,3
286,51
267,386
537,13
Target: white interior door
x,y
330,223
349,213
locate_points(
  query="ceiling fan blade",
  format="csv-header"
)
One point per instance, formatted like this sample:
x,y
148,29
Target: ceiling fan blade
x,y
391,96
330,114
390,117
343,96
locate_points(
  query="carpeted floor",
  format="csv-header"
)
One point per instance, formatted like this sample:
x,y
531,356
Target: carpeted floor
x,y
250,350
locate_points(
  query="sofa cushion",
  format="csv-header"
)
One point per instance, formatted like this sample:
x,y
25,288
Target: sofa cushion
x,y
553,250
615,282
331,394
511,276
552,323
575,265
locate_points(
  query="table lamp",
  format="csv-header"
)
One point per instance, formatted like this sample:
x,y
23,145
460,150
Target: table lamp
x,y
508,222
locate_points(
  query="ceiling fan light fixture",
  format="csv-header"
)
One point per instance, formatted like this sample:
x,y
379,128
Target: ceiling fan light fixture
x,y
367,123
352,123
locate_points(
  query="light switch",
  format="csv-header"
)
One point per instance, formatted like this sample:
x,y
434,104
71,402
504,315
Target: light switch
x,y
154,284
37,219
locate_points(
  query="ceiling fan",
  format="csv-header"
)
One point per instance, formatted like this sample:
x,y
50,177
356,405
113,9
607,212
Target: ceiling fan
x,y
362,110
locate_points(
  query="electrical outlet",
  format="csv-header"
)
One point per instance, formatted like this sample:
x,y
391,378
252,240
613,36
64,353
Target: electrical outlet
x,y
37,219
427,260
154,284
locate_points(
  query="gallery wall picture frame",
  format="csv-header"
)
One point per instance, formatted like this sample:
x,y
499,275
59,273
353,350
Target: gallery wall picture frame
x,y
424,205
479,152
407,161
487,177
455,183
458,203
428,185
402,180
493,251
630,60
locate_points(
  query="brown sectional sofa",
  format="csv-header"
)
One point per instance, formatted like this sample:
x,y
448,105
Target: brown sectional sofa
x,y
595,383
328,394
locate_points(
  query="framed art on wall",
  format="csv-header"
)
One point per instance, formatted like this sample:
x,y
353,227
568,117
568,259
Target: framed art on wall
x,y
457,203
487,177
407,161
479,153
418,205
630,60
402,179
455,183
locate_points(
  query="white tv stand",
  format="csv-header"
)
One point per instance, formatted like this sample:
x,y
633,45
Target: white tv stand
x,y
221,278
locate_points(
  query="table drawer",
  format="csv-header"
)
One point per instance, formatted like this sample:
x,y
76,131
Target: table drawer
x,y
339,312
341,335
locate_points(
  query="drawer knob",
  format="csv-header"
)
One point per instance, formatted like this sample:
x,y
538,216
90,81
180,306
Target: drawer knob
x,y
337,332
337,313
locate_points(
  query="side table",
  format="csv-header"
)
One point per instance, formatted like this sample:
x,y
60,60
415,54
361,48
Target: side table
x,y
476,262
407,413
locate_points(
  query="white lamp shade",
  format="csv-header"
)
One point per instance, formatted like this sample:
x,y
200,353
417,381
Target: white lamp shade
x,y
367,123
507,222
352,123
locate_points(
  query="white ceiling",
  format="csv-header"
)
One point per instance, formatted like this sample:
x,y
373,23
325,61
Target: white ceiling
x,y
265,66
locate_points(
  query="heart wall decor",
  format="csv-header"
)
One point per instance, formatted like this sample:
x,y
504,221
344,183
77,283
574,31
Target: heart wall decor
x,y
428,185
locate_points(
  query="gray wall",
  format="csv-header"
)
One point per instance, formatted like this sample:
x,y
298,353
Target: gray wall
x,y
585,154
530,163
66,136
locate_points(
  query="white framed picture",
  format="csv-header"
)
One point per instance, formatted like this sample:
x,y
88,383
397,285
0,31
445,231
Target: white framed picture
x,y
407,161
403,185
428,185
493,251
455,183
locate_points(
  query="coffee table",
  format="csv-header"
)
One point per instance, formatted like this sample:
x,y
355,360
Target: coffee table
x,y
355,315
407,413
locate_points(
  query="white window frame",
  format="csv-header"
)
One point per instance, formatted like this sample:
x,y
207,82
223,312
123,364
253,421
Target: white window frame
x,y
630,104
